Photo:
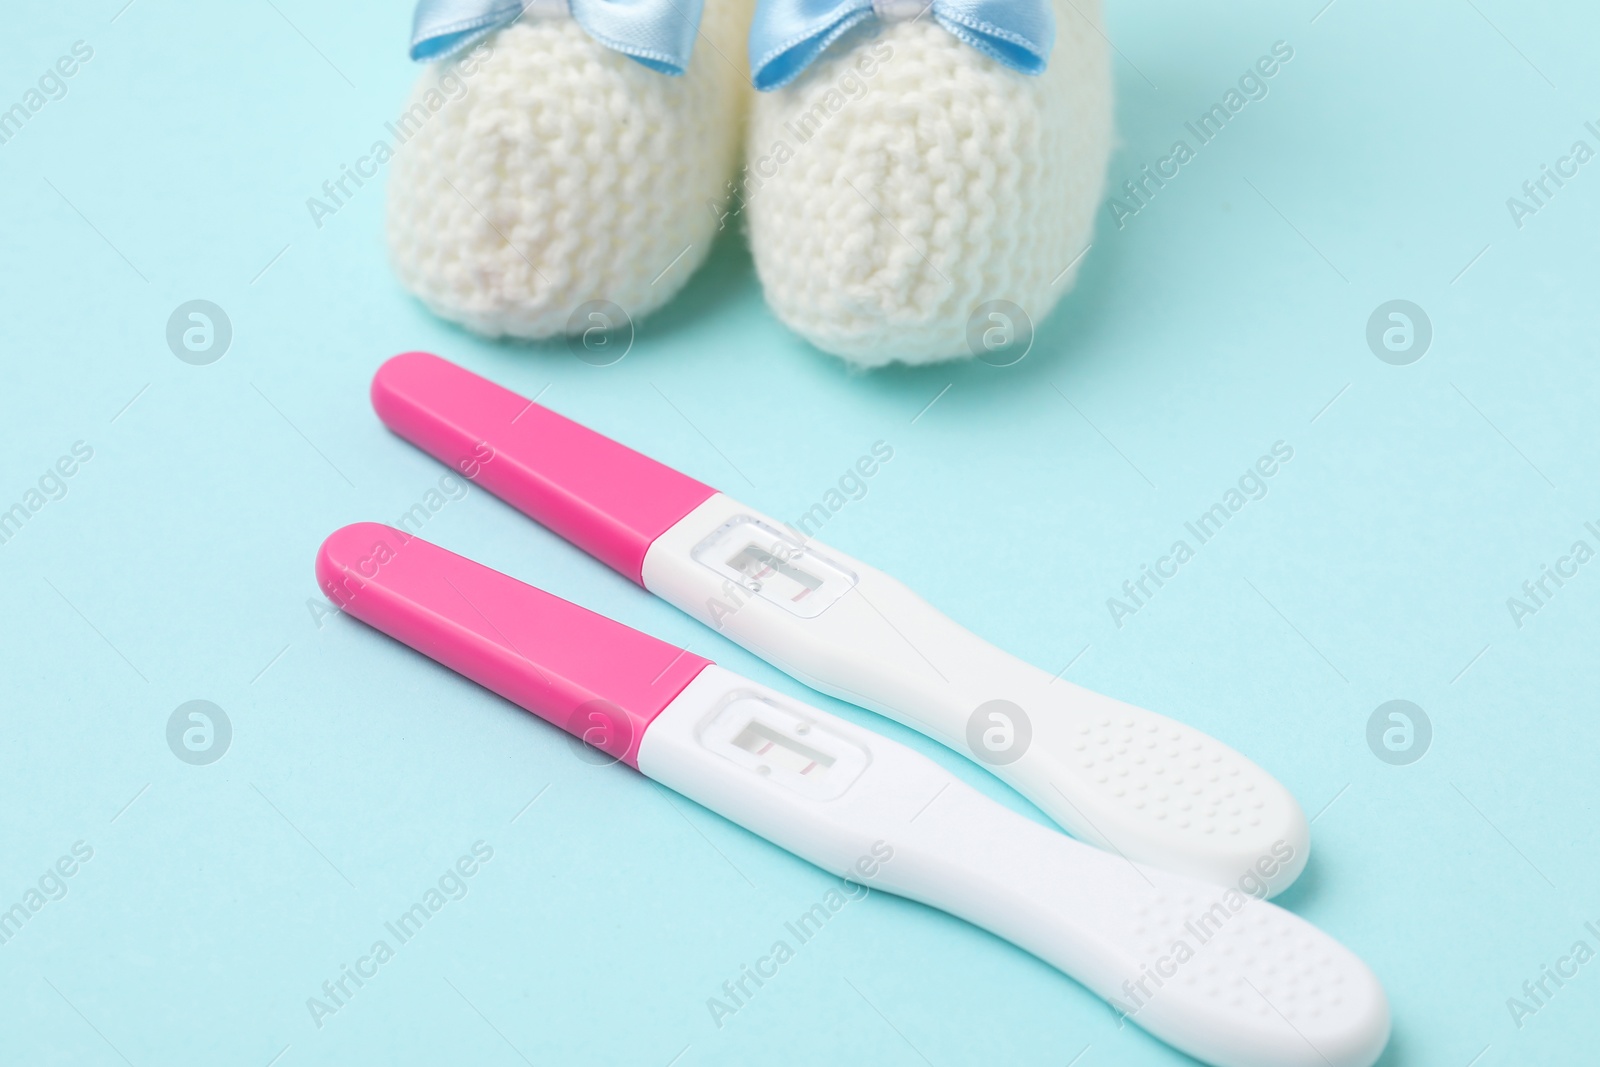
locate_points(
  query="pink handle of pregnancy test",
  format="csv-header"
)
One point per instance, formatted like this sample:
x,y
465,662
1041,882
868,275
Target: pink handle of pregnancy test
x,y
589,675
604,497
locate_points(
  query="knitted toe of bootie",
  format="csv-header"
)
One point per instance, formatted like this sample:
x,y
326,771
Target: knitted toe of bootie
x,y
919,180
567,173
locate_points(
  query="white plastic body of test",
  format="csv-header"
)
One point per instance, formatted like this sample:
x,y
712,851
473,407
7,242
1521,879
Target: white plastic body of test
x,y
1253,986
1130,781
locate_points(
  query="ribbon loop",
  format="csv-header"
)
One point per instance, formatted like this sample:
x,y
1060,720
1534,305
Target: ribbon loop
x,y
788,35
657,33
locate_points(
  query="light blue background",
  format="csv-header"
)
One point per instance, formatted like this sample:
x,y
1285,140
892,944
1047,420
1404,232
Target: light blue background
x,y
1221,319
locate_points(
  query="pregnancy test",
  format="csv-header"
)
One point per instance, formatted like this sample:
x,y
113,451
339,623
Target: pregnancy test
x,y
1128,780
1216,972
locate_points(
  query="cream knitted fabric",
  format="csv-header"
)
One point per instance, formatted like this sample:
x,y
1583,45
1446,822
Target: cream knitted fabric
x,y
923,179
567,173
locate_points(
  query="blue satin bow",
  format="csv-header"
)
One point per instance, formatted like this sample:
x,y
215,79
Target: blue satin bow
x,y
658,33
789,35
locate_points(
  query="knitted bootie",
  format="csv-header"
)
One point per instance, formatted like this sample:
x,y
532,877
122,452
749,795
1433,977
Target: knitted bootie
x,y
548,171
906,184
